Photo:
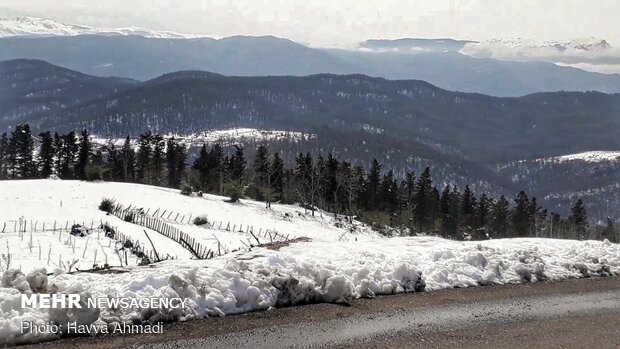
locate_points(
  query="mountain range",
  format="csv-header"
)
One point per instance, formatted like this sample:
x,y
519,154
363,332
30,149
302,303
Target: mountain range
x,y
492,142
511,126
143,54
482,128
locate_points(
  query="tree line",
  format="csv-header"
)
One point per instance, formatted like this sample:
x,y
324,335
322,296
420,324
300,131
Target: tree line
x,y
410,205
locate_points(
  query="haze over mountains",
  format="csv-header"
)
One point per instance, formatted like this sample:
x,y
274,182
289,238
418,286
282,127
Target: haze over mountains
x,y
145,54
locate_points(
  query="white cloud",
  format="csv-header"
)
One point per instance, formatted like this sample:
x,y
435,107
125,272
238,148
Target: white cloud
x,y
588,54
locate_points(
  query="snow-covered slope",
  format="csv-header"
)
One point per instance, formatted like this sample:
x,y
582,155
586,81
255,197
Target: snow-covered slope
x,y
33,26
222,136
592,156
46,209
338,263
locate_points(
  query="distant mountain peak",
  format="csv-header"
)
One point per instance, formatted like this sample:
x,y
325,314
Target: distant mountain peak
x,y
34,26
582,44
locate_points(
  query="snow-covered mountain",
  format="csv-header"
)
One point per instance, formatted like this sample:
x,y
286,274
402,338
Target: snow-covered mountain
x,y
590,54
583,44
33,26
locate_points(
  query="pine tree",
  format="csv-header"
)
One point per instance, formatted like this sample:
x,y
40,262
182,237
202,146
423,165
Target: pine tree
x,y
409,189
46,155
332,183
200,165
237,164
448,226
144,158
58,147
4,156
481,217
536,219
128,160
389,193
84,153
158,160
371,190
499,218
114,163
579,220
422,200
175,162
278,174
521,215
69,149
261,167
22,146
468,206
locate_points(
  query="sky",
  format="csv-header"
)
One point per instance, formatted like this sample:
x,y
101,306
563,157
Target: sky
x,y
342,22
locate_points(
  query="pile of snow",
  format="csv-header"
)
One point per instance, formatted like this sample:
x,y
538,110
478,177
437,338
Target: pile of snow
x,y
335,263
316,271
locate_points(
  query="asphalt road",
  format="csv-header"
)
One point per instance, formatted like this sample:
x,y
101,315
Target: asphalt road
x,y
569,314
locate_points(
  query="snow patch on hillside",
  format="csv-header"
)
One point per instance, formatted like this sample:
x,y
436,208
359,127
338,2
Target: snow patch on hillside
x,y
592,156
224,136
33,26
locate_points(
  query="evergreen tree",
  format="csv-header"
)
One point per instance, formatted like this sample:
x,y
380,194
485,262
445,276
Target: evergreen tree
x,y
481,217
521,215
69,149
4,156
144,158
371,190
409,189
158,160
84,154
389,193
128,160
579,220
262,169
278,174
116,170
175,162
200,165
46,155
237,164
58,147
499,218
468,206
21,153
448,225
422,200
332,183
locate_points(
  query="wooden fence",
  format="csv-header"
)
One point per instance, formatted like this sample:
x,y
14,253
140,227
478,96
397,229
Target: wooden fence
x,y
137,216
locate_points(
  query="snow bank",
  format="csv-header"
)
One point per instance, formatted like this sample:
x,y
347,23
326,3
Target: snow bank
x,y
316,271
333,262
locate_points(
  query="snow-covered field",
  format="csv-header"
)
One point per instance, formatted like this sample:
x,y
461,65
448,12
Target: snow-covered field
x,y
339,263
